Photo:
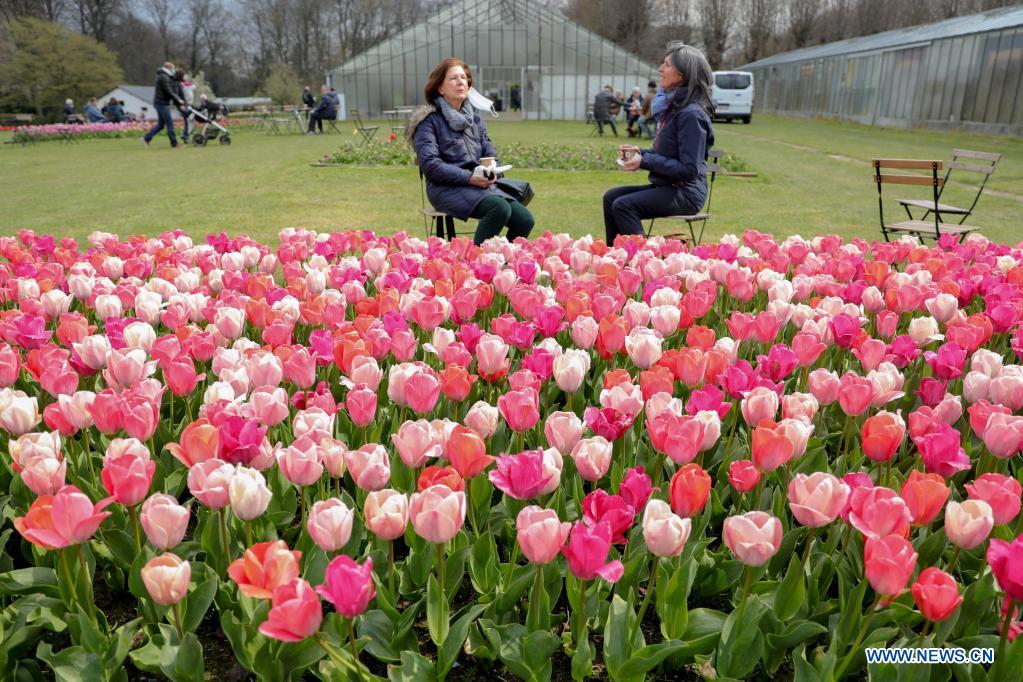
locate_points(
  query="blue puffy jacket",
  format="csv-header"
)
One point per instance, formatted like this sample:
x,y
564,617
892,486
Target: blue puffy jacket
x,y
679,154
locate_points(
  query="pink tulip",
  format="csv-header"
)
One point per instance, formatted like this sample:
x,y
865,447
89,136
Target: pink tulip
x,y
570,369
520,476
968,525
824,385
44,474
808,347
348,586
592,457
437,513
386,512
164,521
563,430
587,551
753,537
636,488
664,533
743,475
1003,435
263,568
19,413
361,404
369,466
166,578
680,437
67,518
491,354
1002,493
269,404
878,511
799,406
854,394
1006,560
181,376
422,390
817,500
889,561
105,410
300,464
208,482
541,535
295,613
759,404
248,493
520,409
128,478
936,594
415,444
330,524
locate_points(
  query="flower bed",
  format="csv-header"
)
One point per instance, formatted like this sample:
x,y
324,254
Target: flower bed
x,y
88,131
521,155
357,456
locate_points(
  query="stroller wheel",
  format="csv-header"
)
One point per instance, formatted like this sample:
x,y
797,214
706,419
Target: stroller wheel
x,y
199,139
225,139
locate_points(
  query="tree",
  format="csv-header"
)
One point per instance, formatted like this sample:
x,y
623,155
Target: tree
x,y
715,20
50,63
41,9
758,19
802,21
95,16
162,12
283,85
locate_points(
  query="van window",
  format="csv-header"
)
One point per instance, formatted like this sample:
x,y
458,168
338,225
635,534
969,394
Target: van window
x,y
732,81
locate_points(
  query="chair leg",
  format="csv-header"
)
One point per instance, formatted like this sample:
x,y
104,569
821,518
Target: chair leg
x,y
450,224
692,232
650,229
439,221
703,226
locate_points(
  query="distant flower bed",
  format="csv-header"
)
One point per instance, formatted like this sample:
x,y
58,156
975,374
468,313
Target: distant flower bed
x,y
57,131
548,156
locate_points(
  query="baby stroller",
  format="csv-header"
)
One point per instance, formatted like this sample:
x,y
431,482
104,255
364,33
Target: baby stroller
x,y
207,127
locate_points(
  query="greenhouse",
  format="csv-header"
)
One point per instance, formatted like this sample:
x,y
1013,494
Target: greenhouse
x,y
525,56
959,73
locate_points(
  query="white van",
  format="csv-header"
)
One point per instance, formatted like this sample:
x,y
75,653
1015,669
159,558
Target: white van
x,y
733,92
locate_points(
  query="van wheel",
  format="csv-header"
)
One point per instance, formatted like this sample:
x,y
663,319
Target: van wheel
x,y
746,119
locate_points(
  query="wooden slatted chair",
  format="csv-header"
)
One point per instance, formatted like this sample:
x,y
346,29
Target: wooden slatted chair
x,y
923,228
976,162
366,131
701,217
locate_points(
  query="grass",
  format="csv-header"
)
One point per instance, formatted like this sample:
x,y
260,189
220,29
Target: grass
x,y
813,177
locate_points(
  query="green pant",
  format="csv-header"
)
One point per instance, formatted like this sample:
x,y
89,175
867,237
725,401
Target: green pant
x,y
495,212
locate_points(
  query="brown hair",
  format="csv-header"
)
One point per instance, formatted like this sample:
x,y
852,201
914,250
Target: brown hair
x,y
436,79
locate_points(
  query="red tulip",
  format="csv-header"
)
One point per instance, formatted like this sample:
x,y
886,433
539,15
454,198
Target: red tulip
x,y
882,435
690,488
925,495
743,475
295,613
264,567
936,594
467,452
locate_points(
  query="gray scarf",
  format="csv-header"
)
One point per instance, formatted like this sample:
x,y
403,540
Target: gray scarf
x,y
461,121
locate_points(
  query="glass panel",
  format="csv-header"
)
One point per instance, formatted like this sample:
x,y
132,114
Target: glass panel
x,y
732,81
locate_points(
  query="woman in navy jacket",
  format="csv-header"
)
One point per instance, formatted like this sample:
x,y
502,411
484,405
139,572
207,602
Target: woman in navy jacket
x,y
450,139
677,163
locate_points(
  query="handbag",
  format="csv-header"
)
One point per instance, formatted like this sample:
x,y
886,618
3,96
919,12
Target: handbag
x,y
520,190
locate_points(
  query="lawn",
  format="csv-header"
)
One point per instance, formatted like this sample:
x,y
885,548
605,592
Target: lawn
x,y
813,177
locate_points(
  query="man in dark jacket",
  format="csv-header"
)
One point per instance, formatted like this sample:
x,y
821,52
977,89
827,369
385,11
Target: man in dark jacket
x,y
327,108
307,97
602,109
164,95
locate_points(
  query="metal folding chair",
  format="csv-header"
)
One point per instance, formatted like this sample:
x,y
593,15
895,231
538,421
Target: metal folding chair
x,y
701,217
922,228
366,131
977,162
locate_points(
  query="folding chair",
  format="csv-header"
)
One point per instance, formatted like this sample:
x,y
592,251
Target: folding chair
x,y
443,223
978,162
366,131
924,229
713,167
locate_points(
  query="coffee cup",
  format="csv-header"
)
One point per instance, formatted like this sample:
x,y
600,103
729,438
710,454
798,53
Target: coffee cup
x,y
488,162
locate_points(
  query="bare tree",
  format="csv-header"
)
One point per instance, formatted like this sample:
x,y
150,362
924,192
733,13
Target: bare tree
x,y
162,13
96,16
757,21
715,22
803,16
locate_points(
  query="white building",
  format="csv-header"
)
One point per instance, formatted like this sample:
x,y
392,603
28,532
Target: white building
x,y
137,100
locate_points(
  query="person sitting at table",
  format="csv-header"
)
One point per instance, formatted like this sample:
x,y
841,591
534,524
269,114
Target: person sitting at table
x,y
678,160
114,111
450,140
324,109
93,114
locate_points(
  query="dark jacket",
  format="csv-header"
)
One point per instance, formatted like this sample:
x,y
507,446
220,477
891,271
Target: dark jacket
x,y
93,114
327,108
602,105
115,112
445,162
679,154
308,99
164,92
179,92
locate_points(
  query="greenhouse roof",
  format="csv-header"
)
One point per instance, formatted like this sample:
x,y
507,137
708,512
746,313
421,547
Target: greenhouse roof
x,y
992,20
482,15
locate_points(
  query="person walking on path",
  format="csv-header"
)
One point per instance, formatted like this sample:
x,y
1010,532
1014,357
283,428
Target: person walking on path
x,y
164,95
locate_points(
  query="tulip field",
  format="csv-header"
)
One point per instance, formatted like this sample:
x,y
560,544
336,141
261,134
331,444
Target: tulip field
x,y
351,456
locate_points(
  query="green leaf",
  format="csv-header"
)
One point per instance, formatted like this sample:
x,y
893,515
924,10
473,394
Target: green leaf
x,y
742,642
454,570
791,592
198,602
852,608
29,581
437,611
522,577
796,633
413,668
649,657
448,653
618,636
73,664
182,662
582,661
671,598
120,644
122,547
932,547
296,657
483,569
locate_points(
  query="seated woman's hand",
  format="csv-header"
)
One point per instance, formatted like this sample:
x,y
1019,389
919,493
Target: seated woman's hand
x,y
480,181
631,164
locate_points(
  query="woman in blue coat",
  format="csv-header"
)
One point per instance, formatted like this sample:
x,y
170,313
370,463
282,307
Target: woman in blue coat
x,y
450,140
677,163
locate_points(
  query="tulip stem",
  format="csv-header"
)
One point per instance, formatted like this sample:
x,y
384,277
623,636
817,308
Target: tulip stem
x,y
177,621
391,572
62,559
806,550
133,514
925,631
352,638
440,565
334,655
222,514
1006,622
953,560
248,533
534,601
88,454
87,577
859,638
582,614
646,599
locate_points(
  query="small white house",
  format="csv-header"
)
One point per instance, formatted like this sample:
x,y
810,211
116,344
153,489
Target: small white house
x,y
136,100
244,103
